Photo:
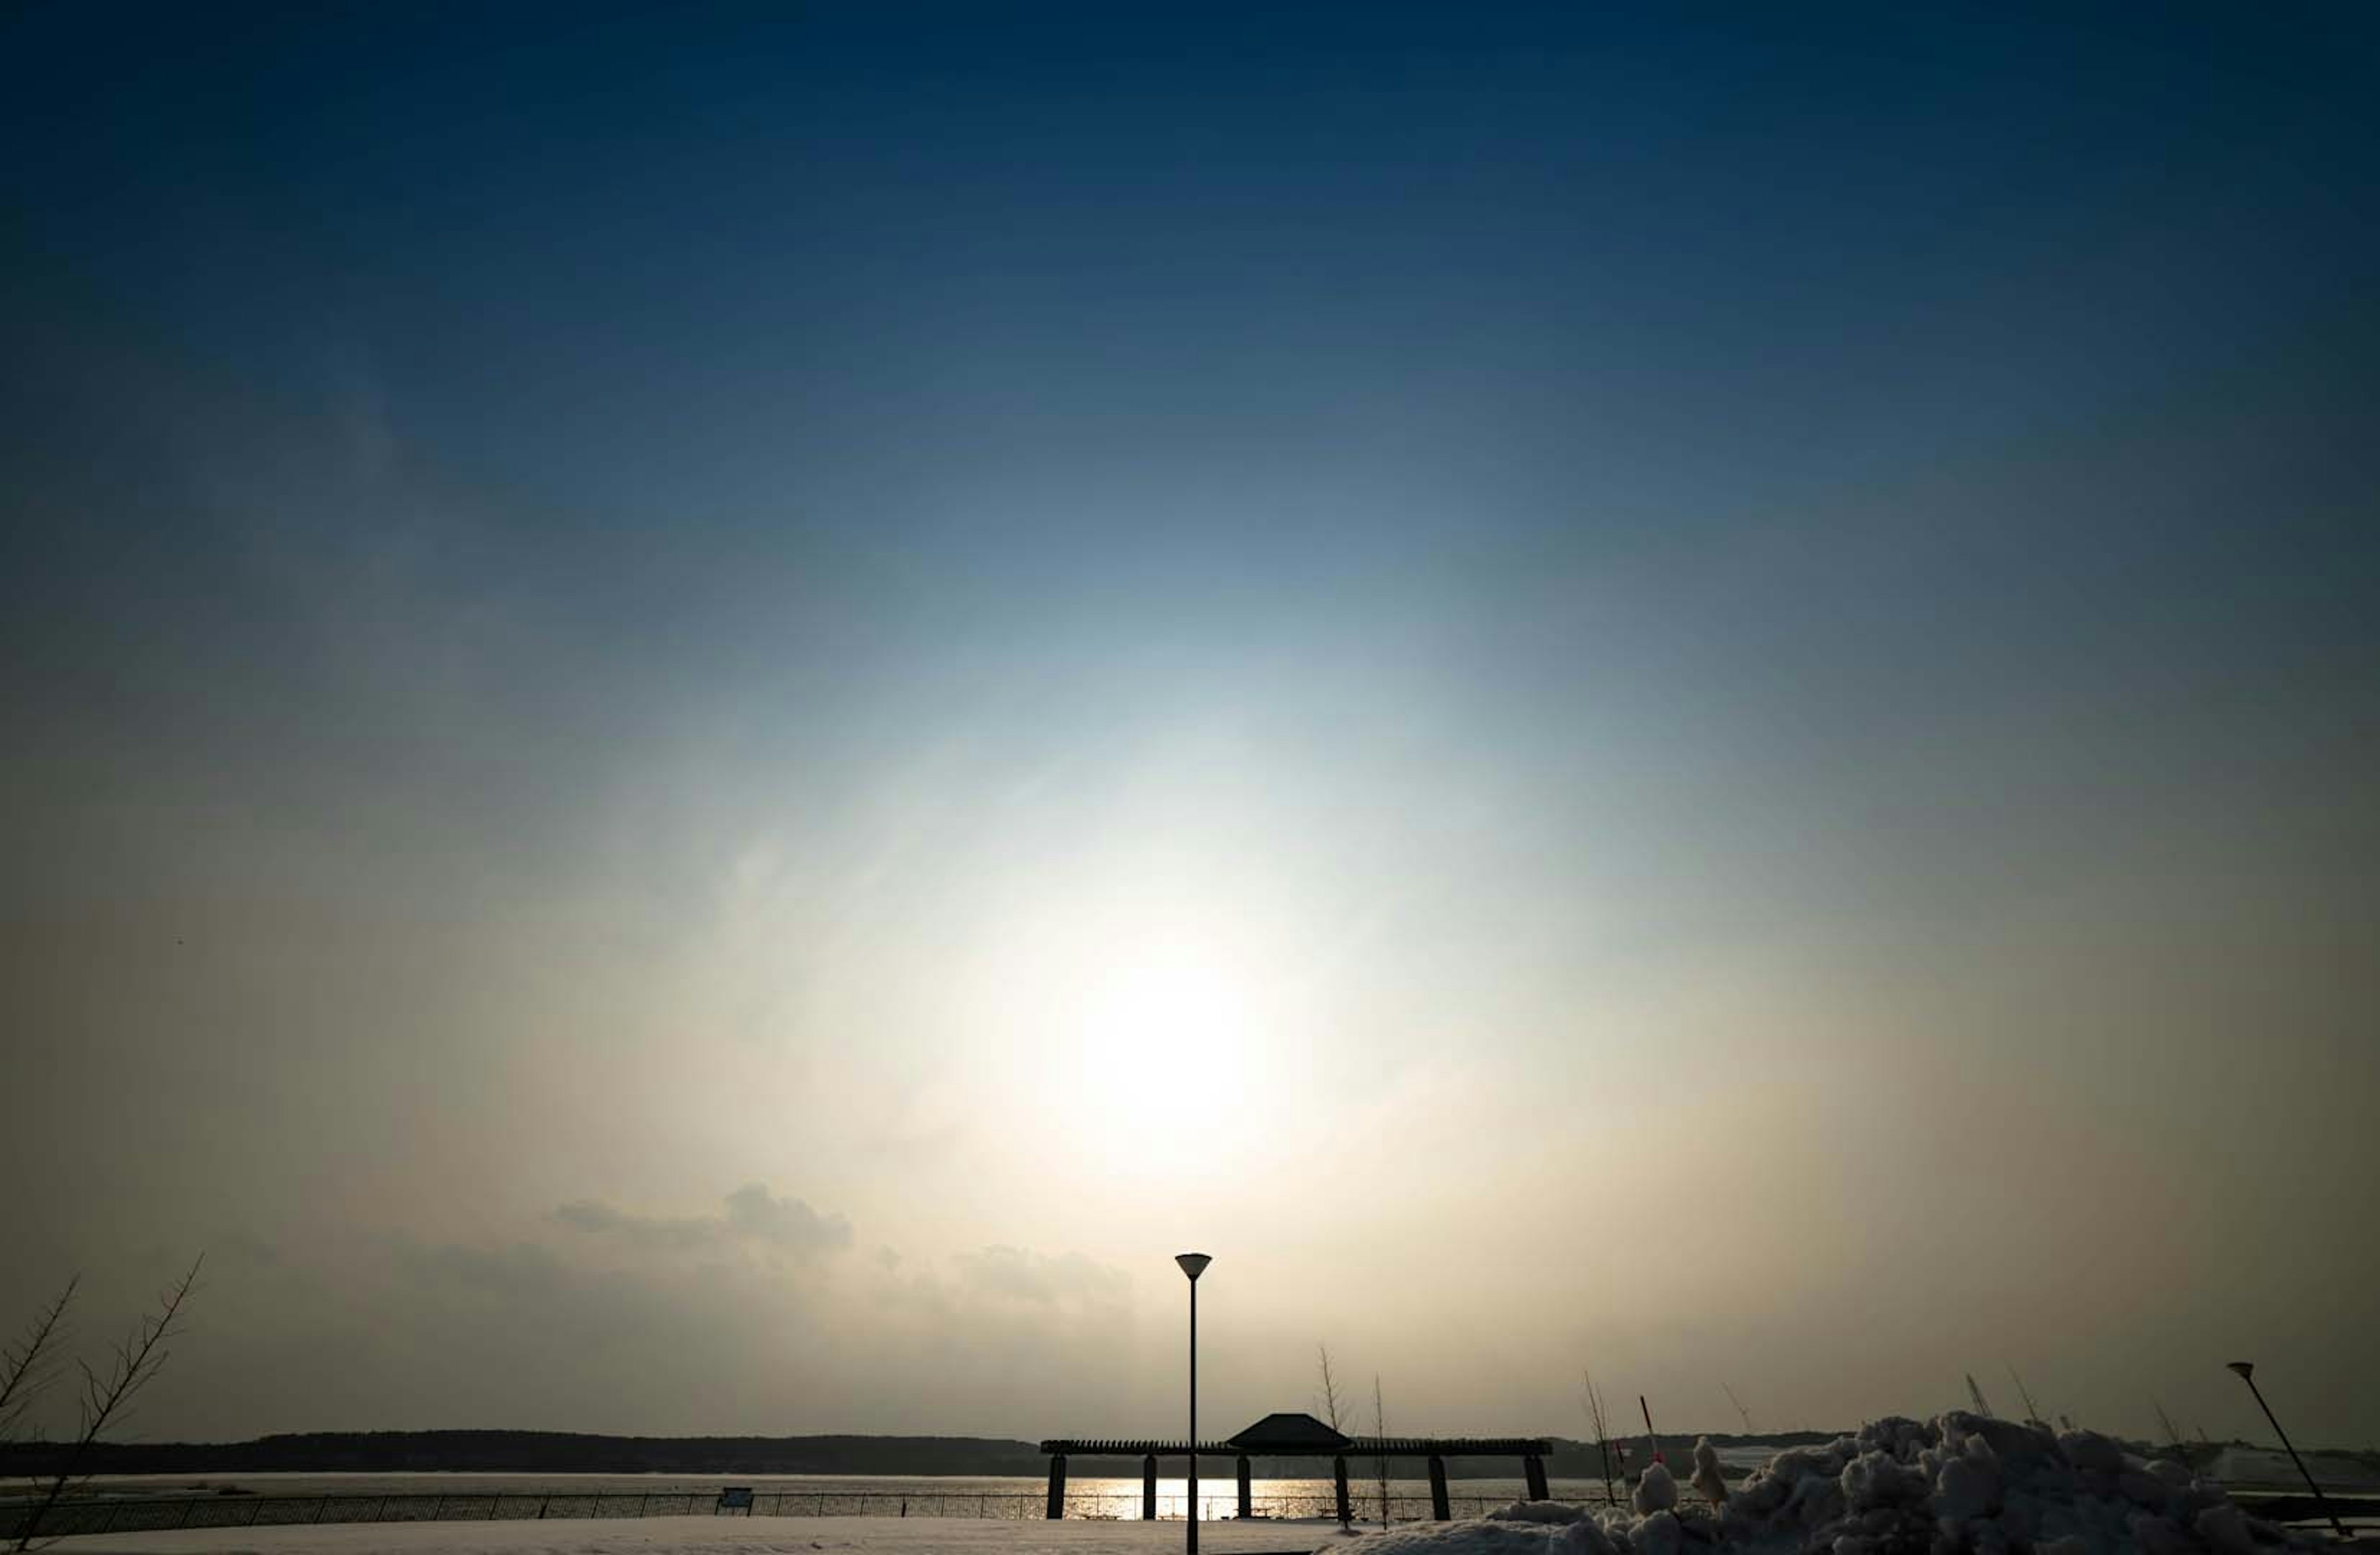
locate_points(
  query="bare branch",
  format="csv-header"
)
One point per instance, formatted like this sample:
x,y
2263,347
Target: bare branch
x,y
30,1366
2032,1410
1329,1399
1602,1431
136,1360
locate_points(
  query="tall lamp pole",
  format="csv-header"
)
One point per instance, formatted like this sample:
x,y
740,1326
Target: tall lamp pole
x,y
2247,1370
1194,1265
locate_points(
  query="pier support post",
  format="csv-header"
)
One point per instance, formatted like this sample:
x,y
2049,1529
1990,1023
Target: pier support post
x,y
1534,1468
1438,1488
1148,1487
1339,1475
1057,1487
1247,1502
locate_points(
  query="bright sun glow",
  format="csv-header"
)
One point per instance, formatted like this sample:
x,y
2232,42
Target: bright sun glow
x,y
1162,1046
1175,1004
1141,1035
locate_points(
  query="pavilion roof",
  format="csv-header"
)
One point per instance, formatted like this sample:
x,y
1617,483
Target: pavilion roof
x,y
1290,1433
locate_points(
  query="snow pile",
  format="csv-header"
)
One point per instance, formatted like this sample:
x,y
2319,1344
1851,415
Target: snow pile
x,y
1963,1485
1656,1492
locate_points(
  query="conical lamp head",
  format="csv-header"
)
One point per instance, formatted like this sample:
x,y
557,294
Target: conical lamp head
x,y
2242,1367
1192,1264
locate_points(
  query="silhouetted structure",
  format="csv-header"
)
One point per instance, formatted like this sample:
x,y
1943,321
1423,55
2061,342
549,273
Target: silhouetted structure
x,y
1302,1436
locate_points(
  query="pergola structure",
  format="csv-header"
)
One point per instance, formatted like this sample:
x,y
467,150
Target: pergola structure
x,y
1302,1436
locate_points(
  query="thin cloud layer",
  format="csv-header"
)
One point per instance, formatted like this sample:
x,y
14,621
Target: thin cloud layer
x,y
752,1216
1020,1274
1579,690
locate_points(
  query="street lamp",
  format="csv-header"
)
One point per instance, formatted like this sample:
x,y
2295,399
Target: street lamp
x,y
1194,1265
2247,1370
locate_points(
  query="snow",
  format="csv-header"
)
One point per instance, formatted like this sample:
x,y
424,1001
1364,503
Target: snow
x,y
722,1536
1656,1491
1961,1485
1709,1477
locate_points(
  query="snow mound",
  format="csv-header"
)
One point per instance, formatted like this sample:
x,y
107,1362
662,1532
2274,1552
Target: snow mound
x,y
1961,1485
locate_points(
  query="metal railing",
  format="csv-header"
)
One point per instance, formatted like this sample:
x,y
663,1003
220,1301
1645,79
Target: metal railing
x,y
102,1514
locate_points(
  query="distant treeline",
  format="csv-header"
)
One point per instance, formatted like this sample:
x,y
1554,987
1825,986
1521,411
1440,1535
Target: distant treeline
x,y
571,1452
560,1452
538,1453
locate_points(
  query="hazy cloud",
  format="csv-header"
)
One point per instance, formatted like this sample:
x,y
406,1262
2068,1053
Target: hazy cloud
x,y
752,1215
1021,1274
522,1268
784,1222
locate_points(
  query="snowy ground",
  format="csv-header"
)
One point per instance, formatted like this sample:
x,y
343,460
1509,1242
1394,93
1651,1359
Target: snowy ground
x,y
722,1535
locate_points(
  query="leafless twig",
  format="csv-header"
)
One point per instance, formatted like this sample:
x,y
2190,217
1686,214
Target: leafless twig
x,y
1329,1401
1602,1433
30,1366
106,1396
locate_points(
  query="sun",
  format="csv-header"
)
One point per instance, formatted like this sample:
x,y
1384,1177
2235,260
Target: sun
x,y
1138,1043
1163,1042
1178,1002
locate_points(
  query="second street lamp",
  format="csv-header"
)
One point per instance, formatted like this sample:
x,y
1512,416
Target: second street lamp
x,y
2247,1370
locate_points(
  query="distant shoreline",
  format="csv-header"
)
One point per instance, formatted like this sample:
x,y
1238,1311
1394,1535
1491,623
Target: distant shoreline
x,y
519,1452
556,1452
501,1452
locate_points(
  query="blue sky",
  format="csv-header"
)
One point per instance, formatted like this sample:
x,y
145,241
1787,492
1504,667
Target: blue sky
x,y
1817,568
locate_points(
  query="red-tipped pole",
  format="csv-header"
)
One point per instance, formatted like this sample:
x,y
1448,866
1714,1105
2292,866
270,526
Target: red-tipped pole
x,y
2247,1370
1649,1429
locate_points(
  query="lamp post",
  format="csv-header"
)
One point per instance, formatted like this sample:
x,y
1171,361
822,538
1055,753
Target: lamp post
x,y
1194,1265
2247,1370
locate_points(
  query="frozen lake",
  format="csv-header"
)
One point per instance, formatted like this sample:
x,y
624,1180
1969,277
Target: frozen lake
x,y
1010,1498
724,1535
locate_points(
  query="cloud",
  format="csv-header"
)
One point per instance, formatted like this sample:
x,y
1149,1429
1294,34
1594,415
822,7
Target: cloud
x,y
1021,1274
520,1269
753,1216
784,1222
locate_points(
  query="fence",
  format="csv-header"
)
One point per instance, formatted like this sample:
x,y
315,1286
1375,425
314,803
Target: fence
x,y
155,1514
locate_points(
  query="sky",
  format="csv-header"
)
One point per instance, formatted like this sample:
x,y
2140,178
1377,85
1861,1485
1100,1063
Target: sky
x,y
708,717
